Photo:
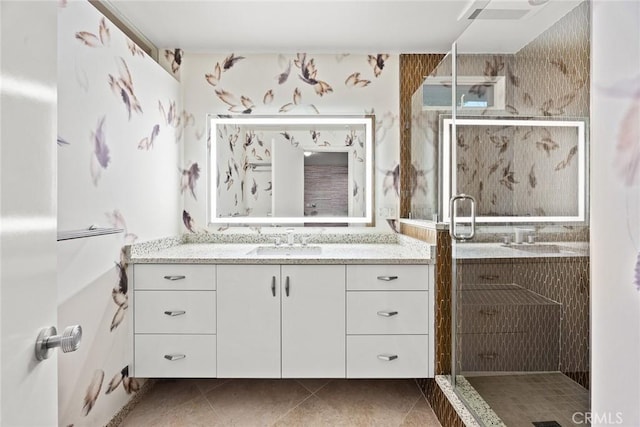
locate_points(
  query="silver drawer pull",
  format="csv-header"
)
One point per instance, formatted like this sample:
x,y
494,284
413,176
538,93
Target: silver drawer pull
x,y
273,285
491,312
387,357
488,355
387,313
489,277
175,313
175,277
174,357
387,278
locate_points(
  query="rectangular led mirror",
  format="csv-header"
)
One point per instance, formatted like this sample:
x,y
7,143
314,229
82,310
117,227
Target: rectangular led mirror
x,y
291,169
518,170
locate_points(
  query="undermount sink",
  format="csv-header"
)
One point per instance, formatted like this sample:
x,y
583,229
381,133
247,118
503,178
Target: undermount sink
x,y
286,250
536,248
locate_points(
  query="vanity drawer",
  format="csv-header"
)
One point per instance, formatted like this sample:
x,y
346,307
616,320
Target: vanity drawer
x,y
153,354
387,277
175,312
389,312
387,356
174,277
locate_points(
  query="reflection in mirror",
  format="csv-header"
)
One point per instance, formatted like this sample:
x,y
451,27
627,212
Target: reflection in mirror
x,y
285,170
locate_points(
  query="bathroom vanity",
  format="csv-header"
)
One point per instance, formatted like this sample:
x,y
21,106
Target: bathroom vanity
x,y
361,308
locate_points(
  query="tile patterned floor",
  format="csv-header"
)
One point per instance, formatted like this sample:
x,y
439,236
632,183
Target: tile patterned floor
x,y
308,402
521,399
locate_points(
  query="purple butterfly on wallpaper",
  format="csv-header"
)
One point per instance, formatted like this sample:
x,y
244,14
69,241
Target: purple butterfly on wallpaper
x,y
188,221
100,158
120,296
169,115
356,157
256,155
249,138
269,187
244,106
308,74
268,97
230,61
377,62
174,57
116,220
508,177
146,143
349,138
636,278
123,86
214,78
577,80
134,49
189,179
284,76
391,180
354,81
356,190
567,161
130,385
93,391
254,189
416,177
91,39
628,144
62,142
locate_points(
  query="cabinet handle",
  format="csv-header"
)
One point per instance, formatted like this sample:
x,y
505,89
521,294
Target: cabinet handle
x,y
273,285
489,277
488,355
175,277
387,278
174,313
387,357
174,357
286,286
387,313
491,312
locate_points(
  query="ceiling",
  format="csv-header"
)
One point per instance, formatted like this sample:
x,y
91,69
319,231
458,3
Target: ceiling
x,y
334,26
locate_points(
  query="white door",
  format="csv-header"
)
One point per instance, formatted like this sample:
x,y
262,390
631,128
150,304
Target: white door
x,y
28,289
248,321
313,321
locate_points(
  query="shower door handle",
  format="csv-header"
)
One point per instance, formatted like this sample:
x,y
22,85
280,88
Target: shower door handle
x,y
452,221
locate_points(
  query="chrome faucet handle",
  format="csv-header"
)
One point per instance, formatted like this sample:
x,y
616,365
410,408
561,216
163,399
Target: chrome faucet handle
x,y
290,236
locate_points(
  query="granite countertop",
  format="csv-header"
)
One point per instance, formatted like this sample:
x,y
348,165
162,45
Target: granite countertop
x,y
384,248
561,250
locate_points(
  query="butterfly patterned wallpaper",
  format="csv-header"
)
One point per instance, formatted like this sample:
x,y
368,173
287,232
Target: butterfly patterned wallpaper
x,y
294,84
119,143
546,79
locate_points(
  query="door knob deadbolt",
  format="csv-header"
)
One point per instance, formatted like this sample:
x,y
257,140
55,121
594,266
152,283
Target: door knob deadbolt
x,y
48,339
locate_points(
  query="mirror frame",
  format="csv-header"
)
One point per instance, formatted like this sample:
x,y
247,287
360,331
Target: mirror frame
x,y
448,175
214,120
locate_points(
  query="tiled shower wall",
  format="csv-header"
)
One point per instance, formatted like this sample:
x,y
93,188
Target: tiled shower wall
x,y
118,145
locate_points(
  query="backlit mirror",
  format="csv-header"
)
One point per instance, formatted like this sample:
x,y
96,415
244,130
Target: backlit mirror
x,y
287,170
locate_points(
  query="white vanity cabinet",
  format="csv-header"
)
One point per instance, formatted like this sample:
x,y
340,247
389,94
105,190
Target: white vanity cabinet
x,y
389,321
281,321
174,320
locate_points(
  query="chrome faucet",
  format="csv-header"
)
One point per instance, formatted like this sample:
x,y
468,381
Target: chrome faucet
x,y
290,236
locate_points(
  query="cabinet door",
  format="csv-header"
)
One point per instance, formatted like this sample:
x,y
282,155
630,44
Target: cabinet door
x,y
313,321
248,321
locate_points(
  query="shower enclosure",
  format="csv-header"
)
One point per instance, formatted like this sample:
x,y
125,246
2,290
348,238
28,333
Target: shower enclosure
x,y
499,149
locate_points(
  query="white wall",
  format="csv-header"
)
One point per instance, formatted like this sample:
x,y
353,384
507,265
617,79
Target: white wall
x,y
133,183
615,210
